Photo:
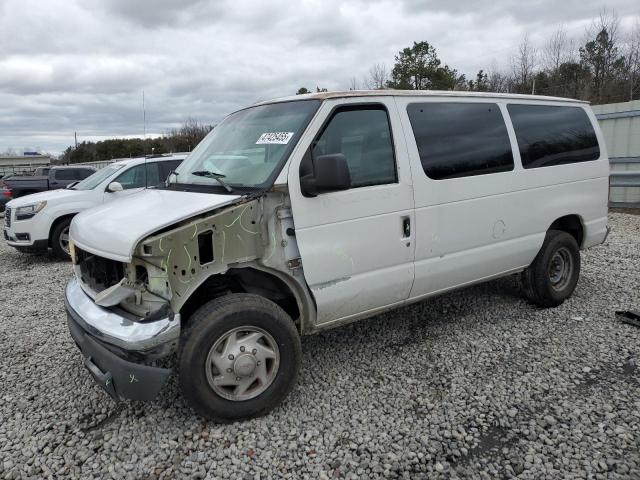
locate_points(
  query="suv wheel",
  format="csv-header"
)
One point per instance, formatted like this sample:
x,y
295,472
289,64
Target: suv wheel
x,y
553,275
60,240
239,357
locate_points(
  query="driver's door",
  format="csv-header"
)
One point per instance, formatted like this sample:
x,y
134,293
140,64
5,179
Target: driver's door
x,y
356,245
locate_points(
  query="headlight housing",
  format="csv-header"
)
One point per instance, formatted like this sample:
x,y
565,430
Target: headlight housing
x,y
29,211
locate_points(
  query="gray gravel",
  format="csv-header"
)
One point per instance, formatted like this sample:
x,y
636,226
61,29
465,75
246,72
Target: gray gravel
x,y
473,384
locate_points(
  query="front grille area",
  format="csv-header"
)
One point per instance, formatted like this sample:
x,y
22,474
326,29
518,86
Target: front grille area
x,y
98,273
7,217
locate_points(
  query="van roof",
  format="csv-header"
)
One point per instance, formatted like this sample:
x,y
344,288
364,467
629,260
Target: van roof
x,y
419,93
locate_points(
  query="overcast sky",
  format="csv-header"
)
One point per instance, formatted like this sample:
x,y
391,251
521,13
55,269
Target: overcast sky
x,y
81,65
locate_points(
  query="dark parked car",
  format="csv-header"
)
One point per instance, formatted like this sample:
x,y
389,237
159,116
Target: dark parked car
x,y
5,196
58,177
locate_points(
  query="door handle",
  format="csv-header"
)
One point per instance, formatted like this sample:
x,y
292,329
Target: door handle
x,y
406,227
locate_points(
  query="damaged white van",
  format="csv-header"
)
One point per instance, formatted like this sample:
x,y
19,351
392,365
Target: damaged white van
x,y
306,213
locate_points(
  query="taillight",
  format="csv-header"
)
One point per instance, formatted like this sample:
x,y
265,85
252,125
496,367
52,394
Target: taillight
x,y
6,193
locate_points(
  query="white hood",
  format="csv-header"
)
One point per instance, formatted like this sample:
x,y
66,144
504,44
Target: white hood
x,y
48,196
114,229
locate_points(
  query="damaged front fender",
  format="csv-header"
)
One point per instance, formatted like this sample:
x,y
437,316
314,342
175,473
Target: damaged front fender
x,y
176,262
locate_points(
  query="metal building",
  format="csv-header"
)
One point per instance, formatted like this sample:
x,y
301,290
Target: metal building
x,y
19,164
620,124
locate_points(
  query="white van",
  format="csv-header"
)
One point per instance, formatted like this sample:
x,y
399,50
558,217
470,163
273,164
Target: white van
x,y
308,212
34,223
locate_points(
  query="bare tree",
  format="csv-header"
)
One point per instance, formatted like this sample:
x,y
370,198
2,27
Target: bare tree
x,y
523,64
632,59
378,77
556,50
600,53
353,84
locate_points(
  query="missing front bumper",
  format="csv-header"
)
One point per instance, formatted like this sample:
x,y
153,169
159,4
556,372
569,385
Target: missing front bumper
x,y
117,350
120,378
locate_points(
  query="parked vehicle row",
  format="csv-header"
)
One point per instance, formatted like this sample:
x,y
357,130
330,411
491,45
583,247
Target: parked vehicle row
x,y
46,178
39,222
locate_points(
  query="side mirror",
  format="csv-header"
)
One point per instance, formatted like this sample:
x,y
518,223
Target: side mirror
x,y
114,187
331,173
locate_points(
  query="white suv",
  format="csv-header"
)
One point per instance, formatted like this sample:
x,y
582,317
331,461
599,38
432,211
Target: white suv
x,y
309,212
34,223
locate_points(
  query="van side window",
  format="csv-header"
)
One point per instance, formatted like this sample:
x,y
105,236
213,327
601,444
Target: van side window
x,y
363,135
551,135
460,139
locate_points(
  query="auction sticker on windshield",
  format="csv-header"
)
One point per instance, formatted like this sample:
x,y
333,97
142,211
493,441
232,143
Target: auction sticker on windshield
x,y
280,138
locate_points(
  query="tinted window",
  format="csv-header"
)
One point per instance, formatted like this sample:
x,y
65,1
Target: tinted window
x,y
553,135
135,177
93,181
65,174
84,173
167,167
363,136
460,139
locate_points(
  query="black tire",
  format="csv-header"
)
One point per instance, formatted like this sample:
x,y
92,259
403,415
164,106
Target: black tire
x,y
60,228
539,281
210,323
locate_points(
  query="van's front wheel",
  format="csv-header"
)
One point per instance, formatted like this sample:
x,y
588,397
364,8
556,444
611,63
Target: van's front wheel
x,y
239,357
554,273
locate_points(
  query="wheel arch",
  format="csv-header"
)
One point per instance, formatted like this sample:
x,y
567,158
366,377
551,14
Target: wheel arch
x,y
268,283
572,224
57,222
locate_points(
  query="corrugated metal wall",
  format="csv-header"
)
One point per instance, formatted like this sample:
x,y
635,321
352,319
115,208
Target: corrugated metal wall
x,y
620,124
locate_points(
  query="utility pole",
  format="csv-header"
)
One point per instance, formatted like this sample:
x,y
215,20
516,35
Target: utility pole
x,y
75,137
144,118
533,88
144,129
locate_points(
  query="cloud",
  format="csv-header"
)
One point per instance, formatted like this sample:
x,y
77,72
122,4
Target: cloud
x,y
81,65
160,13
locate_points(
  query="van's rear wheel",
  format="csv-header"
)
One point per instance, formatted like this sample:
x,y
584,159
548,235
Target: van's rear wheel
x,y
239,357
553,275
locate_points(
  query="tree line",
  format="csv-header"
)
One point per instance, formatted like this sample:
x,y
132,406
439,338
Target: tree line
x,y
603,68
182,139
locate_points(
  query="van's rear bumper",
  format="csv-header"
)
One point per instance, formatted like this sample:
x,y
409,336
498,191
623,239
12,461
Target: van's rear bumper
x,y
595,232
117,350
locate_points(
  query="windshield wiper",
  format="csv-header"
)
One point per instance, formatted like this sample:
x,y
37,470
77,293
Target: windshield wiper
x,y
216,176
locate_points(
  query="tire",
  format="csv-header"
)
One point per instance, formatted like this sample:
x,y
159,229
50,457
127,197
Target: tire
x,y
230,317
57,240
554,273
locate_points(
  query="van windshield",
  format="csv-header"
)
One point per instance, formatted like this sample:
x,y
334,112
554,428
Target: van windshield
x,y
248,148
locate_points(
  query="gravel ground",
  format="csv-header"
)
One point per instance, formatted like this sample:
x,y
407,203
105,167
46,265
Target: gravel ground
x,y
473,384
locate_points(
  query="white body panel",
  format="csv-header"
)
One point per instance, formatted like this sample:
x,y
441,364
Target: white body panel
x,y
478,227
464,230
351,242
114,229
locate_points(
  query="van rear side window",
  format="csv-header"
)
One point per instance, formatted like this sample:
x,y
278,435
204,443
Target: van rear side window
x,y
460,139
549,135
